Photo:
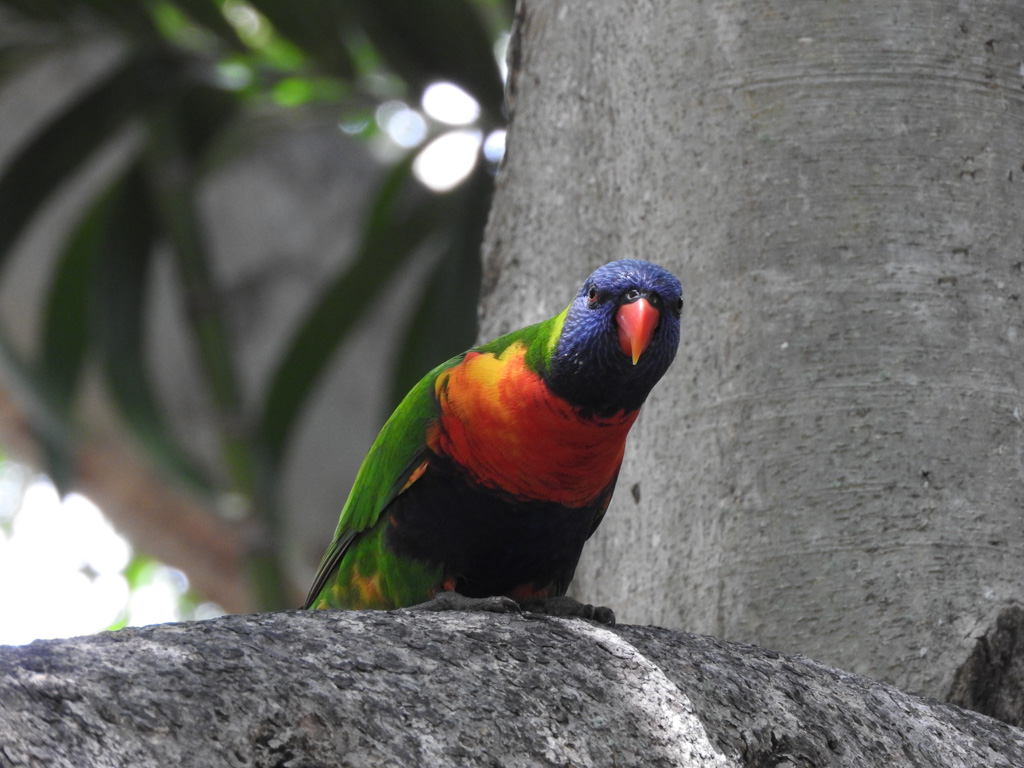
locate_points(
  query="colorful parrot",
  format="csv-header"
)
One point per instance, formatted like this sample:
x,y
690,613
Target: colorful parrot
x,y
485,483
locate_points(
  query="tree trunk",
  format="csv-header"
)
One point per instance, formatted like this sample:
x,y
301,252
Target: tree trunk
x,y
835,464
406,689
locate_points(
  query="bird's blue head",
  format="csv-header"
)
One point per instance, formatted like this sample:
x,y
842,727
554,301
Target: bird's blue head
x,y
620,335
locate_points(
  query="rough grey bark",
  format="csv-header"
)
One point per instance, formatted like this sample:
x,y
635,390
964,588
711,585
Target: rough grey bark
x,y
991,681
835,465
401,689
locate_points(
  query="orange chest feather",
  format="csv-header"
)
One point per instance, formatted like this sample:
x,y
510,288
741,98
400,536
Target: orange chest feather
x,y
500,422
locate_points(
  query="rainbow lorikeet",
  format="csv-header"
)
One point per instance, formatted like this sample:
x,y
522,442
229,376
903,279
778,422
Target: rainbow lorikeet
x,y
489,477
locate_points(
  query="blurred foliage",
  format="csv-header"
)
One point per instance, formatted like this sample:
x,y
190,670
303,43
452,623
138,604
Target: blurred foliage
x,y
144,573
189,71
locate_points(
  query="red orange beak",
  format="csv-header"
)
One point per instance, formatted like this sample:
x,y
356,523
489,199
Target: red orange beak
x,y
637,321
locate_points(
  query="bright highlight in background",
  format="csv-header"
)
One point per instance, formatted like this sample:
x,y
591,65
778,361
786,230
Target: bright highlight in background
x,y
248,22
62,569
447,103
494,146
447,160
405,126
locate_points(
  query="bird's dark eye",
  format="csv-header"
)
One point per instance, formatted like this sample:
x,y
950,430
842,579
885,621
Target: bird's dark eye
x,y
679,305
592,296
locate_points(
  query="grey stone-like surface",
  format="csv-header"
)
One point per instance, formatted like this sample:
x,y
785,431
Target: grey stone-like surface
x,y
404,688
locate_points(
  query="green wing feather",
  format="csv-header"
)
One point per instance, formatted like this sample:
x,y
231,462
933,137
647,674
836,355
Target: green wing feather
x,y
401,446
396,453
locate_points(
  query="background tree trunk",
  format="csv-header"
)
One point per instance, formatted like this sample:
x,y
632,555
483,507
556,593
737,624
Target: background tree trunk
x,y
835,465
372,688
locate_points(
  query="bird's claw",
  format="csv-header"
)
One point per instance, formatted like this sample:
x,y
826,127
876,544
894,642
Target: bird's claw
x,y
563,606
570,607
453,601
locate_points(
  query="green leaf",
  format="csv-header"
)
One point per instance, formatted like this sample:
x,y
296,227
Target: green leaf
x,y
60,148
294,91
444,322
173,171
29,387
54,377
121,278
431,40
140,571
315,26
66,328
66,331
207,14
389,240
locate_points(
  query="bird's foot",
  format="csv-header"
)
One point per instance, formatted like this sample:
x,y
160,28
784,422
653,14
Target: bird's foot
x,y
453,601
568,606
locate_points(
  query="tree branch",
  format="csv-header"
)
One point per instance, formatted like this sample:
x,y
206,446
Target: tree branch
x,y
374,688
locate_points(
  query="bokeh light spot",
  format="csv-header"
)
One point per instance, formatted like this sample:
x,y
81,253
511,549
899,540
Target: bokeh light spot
x,y
494,146
448,103
405,126
448,160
